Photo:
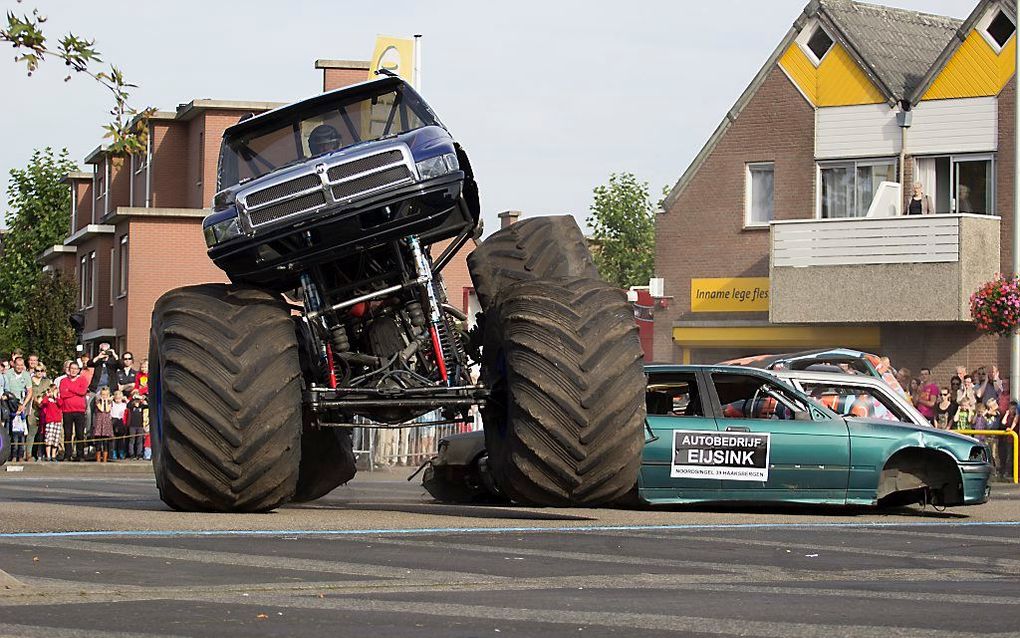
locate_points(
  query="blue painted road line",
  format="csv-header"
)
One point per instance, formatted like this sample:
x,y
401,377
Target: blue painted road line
x,y
501,530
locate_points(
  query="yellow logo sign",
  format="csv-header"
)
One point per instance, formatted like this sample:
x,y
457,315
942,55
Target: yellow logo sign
x,y
730,294
396,55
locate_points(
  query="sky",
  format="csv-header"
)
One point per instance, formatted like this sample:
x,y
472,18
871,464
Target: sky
x,y
548,98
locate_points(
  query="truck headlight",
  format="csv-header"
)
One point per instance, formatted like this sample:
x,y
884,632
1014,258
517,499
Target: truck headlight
x,y
438,166
221,232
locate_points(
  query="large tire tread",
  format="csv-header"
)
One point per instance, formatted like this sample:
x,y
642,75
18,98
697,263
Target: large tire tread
x,y
227,366
565,426
531,249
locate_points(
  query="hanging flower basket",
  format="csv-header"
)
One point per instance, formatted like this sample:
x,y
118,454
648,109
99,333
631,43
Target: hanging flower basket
x,y
995,307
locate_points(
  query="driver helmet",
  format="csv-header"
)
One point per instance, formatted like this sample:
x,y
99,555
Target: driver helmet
x,y
323,139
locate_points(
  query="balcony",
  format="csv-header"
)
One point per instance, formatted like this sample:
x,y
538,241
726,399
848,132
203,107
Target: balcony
x,y
907,268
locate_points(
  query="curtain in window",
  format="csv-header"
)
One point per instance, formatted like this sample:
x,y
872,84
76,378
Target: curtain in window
x,y
762,184
837,192
926,175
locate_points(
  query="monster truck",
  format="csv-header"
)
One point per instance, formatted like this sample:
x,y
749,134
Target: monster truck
x,y
328,220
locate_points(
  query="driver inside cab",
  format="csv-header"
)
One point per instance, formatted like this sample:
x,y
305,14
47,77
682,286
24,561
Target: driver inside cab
x,y
323,139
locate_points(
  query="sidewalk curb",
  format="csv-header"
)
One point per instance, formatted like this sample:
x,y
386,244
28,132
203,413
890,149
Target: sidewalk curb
x,y
42,468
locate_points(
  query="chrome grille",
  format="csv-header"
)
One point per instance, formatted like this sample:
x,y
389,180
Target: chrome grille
x,y
289,207
258,198
372,181
350,169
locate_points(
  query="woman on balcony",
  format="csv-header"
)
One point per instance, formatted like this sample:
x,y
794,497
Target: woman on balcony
x,y
919,203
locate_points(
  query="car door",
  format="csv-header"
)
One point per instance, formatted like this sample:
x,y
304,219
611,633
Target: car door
x,y
675,401
807,449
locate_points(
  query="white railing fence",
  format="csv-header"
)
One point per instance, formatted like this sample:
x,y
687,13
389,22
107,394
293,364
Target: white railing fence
x,y
883,240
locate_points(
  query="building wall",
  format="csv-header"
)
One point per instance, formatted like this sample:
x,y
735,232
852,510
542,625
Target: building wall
x,y
100,314
455,275
169,165
120,183
81,190
702,234
338,78
153,269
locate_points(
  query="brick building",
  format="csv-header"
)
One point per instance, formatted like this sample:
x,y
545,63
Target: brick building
x,y
136,222
787,231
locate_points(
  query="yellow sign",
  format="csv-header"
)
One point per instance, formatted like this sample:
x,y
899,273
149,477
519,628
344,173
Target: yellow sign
x,y
730,294
394,54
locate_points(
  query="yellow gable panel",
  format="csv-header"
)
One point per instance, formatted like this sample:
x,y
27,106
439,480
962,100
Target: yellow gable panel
x,y
837,81
842,83
974,70
801,71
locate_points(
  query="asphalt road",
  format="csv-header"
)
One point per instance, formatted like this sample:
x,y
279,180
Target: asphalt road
x,y
379,559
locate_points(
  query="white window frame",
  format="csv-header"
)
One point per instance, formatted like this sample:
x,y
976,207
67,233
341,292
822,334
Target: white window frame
x,y
113,277
92,275
74,206
833,163
965,157
83,267
748,201
986,21
805,36
122,266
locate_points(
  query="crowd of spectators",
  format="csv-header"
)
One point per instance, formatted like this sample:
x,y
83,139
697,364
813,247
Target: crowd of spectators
x,y
976,400
94,408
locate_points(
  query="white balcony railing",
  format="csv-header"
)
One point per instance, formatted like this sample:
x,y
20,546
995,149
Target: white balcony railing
x,y
882,240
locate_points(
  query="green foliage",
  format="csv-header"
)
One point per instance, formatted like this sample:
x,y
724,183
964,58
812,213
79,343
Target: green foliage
x,y
47,330
128,130
623,220
40,217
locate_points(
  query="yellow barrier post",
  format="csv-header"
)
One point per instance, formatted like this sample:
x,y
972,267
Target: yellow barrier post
x,y
1016,445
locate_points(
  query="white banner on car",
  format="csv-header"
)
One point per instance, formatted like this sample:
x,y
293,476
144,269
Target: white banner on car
x,y
728,456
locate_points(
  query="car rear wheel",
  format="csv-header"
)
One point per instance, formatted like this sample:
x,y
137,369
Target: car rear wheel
x,y
564,423
225,404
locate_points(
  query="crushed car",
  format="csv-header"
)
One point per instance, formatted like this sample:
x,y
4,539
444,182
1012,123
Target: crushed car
x,y
739,434
829,359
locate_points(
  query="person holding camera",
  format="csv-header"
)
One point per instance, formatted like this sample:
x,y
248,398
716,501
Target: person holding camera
x,y
105,366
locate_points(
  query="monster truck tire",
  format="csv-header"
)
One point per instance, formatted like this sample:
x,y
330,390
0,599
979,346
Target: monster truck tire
x,y
535,248
225,399
564,425
327,461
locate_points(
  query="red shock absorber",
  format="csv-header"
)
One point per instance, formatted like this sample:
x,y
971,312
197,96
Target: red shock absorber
x,y
438,349
331,365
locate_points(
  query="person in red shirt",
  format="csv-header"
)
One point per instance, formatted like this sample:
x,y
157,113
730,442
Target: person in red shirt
x,y
73,389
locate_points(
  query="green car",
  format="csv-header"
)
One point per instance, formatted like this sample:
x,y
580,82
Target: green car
x,y
738,434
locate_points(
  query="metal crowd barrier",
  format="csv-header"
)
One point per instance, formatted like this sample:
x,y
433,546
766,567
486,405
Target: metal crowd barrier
x,y
410,444
1016,445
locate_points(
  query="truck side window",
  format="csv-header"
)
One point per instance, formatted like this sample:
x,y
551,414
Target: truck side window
x,y
673,394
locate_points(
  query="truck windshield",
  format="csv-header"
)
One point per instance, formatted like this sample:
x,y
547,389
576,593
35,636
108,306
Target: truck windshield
x,y
297,134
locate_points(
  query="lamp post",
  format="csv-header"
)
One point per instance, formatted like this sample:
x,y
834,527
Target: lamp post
x,y
1014,354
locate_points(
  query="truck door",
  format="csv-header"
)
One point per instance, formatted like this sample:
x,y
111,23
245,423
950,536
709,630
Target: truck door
x,y
676,405
806,450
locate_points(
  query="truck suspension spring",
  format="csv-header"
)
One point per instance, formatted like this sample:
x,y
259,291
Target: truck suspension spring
x,y
338,336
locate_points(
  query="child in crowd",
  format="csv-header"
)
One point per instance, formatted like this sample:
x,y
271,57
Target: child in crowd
x,y
137,411
966,413
102,424
120,428
54,420
19,429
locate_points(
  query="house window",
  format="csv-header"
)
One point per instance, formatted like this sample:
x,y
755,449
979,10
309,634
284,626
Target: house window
x,y
201,157
1001,29
847,189
113,275
100,182
958,183
83,279
815,42
92,279
819,43
758,200
123,266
